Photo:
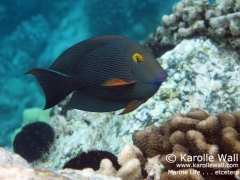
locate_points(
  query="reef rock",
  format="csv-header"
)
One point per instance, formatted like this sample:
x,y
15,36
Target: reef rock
x,y
201,75
12,167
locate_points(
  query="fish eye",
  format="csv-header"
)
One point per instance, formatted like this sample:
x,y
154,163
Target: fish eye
x,y
137,58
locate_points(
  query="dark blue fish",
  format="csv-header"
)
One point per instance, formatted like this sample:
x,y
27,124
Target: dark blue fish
x,y
105,73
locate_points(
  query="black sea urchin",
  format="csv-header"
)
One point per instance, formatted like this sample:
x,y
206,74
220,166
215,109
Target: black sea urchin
x,y
33,141
91,159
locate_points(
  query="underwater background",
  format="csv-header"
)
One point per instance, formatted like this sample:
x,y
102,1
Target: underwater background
x,y
33,33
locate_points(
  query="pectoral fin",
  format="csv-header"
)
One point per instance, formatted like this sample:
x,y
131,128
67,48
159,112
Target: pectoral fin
x,y
132,106
117,82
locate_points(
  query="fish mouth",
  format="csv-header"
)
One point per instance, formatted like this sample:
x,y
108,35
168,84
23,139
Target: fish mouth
x,y
162,76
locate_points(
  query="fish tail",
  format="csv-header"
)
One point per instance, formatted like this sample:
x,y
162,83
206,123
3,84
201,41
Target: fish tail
x,y
56,86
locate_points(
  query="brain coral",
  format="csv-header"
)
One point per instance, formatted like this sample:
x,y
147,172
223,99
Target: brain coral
x,y
194,134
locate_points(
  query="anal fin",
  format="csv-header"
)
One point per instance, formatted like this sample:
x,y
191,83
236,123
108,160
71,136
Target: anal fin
x,y
132,106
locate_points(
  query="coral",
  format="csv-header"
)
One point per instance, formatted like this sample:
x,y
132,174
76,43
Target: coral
x,y
230,142
154,168
151,134
91,159
197,114
182,123
196,134
198,145
130,171
33,141
190,19
237,116
178,151
106,168
210,128
226,119
178,137
130,164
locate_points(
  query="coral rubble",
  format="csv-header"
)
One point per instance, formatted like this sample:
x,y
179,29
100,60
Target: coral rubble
x,y
192,18
215,139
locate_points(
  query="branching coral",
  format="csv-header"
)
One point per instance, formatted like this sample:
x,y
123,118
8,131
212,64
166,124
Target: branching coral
x,y
141,139
191,18
131,167
210,128
230,142
195,135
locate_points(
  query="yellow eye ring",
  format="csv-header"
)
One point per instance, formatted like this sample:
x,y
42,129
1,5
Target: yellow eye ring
x,y
137,58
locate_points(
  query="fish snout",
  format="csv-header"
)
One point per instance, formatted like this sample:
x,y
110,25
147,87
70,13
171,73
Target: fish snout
x,y
162,76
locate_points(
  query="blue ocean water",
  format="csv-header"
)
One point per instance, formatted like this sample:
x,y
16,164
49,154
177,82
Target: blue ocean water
x,y
33,33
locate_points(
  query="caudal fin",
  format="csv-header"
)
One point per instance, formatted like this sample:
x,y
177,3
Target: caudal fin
x,y
56,86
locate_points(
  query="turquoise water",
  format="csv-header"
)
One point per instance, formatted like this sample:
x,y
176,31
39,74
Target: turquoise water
x,y
33,33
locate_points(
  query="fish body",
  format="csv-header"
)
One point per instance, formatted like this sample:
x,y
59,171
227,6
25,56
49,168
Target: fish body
x,y
105,73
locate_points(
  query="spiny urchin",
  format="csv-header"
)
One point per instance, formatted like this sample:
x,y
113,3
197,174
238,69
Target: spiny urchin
x,y
33,141
91,159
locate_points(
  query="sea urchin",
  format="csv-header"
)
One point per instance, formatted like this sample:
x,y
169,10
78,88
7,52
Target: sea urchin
x,y
91,159
33,141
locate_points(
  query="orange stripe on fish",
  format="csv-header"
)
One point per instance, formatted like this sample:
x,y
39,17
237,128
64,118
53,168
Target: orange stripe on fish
x,y
117,82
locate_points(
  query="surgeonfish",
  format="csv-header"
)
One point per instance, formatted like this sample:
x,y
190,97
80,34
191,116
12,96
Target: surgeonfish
x,y
104,73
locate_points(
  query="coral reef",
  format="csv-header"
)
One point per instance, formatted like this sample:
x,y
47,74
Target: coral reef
x,y
190,136
33,141
191,65
213,137
190,19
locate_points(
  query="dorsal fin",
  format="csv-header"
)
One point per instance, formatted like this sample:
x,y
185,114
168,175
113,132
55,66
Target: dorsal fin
x,y
73,55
